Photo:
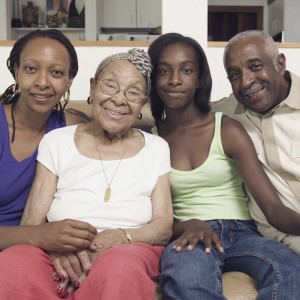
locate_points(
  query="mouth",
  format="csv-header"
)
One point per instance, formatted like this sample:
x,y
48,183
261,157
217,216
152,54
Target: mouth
x,y
41,97
115,114
253,91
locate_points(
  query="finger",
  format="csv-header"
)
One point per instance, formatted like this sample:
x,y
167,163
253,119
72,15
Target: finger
x,y
180,244
58,267
61,287
207,244
193,243
74,263
216,240
82,226
69,290
71,266
80,280
84,259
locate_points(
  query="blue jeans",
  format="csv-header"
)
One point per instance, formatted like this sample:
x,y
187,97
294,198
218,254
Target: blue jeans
x,y
196,275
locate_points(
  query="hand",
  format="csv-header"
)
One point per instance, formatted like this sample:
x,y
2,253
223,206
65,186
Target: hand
x,y
195,231
70,270
63,236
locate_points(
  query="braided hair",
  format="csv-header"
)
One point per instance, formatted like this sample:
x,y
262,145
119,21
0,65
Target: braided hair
x,y
9,96
137,57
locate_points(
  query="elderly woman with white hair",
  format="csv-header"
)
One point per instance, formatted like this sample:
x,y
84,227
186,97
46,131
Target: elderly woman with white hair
x,y
110,175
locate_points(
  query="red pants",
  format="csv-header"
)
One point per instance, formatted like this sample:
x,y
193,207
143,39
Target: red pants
x,y
121,273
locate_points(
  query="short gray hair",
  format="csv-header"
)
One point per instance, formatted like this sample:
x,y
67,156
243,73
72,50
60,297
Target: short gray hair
x,y
138,57
270,44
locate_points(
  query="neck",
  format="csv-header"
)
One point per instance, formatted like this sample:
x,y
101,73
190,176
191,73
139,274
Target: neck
x,y
184,117
26,118
108,137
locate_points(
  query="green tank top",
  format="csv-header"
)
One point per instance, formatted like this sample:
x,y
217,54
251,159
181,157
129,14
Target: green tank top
x,y
212,191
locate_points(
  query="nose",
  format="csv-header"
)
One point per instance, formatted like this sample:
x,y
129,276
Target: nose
x,y
174,79
247,78
120,97
42,79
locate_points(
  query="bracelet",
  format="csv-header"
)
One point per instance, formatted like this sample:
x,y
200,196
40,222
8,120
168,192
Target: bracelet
x,y
127,235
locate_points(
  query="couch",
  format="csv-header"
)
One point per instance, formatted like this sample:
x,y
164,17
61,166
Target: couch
x,y
236,285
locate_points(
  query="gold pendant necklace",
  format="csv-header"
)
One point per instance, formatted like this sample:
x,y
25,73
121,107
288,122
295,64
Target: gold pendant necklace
x,y
108,188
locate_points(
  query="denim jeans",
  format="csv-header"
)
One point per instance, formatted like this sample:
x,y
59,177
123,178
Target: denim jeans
x,y
189,275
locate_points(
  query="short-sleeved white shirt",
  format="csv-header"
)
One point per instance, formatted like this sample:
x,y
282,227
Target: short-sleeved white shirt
x,y
81,182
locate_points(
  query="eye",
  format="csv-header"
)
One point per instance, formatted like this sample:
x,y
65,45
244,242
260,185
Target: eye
x,y
57,73
255,67
30,69
187,70
133,92
233,76
163,71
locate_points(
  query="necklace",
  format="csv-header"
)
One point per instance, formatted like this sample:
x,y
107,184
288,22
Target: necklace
x,y
108,183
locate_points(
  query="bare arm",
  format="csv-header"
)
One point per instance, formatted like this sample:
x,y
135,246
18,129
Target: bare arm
x,y
238,145
157,232
66,235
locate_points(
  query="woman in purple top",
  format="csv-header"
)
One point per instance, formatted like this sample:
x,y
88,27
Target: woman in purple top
x,y
43,64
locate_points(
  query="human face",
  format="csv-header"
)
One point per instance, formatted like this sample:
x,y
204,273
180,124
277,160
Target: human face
x,y
254,79
43,74
114,113
177,74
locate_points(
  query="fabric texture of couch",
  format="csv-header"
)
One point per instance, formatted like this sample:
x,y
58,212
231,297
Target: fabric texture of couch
x,y
236,285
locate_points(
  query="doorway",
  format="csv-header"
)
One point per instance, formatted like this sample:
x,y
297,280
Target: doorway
x,y
224,22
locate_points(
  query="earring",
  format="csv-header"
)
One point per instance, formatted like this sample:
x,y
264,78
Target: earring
x,y
140,116
11,94
66,97
89,100
15,89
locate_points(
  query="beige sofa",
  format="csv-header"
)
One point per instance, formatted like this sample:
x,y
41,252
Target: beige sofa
x,y
236,285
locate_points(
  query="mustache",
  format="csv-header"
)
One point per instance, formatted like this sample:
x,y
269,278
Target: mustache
x,y
254,88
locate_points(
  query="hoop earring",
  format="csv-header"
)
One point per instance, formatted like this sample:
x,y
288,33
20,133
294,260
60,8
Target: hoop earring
x,y
66,97
16,89
140,116
89,100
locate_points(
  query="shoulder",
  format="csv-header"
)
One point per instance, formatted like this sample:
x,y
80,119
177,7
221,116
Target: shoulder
x,y
234,136
61,132
226,105
154,140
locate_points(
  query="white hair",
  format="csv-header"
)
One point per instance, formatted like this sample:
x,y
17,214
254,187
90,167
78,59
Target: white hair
x,y
249,34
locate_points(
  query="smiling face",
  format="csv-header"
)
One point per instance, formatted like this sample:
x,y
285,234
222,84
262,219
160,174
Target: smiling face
x,y
114,113
255,80
177,74
43,73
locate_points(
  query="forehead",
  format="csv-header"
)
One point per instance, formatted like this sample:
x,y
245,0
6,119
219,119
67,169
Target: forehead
x,y
178,52
121,69
243,51
46,48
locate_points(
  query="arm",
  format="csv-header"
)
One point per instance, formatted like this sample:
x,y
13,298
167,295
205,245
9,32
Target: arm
x,y
67,235
238,145
157,232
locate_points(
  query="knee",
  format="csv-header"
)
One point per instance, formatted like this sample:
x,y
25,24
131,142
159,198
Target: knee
x,y
20,255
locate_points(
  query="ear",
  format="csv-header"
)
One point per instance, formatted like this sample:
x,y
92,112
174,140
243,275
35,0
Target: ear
x,y
92,85
145,100
281,63
69,83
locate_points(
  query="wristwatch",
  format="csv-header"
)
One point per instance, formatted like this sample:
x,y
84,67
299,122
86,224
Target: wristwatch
x,y
127,235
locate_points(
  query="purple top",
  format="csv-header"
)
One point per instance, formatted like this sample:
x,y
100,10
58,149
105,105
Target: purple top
x,y
16,177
